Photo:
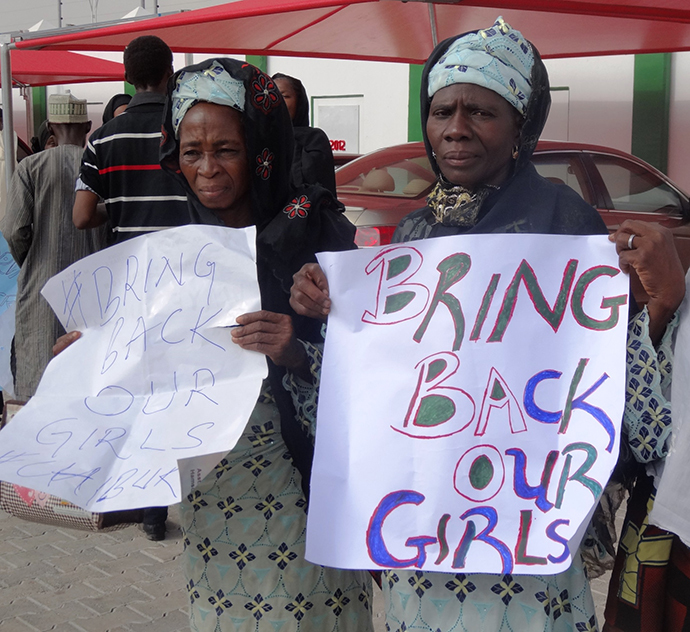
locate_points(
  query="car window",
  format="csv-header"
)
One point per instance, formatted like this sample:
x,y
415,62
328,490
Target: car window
x,y
563,169
631,187
407,178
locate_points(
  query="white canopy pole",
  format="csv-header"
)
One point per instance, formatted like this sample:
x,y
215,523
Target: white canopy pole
x,y
432,22
8,117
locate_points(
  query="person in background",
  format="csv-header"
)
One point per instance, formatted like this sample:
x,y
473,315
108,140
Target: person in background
x,y
649,590
120,166
313,160
41,237
44,140
120,163
116,106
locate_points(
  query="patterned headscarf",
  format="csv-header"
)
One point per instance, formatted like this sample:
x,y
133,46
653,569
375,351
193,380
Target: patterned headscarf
x,y
452,202
498,58
213,85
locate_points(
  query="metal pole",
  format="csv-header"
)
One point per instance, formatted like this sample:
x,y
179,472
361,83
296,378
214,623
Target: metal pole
x,y
27,94
59,7
432,21
8,117
188,59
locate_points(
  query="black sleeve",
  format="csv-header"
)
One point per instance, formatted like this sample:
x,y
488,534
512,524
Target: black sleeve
x,y
313,160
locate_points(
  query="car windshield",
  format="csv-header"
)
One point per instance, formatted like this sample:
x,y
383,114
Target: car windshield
x,y
390,174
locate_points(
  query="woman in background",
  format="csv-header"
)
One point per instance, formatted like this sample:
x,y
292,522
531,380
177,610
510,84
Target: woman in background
x,y
313,159
116,106
44,139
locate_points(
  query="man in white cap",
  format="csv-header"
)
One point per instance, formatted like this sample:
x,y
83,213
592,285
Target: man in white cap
x,y
42,238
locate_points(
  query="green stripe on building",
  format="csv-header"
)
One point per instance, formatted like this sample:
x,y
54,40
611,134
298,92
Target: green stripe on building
x,y
39,105
651,108
414,116
260,61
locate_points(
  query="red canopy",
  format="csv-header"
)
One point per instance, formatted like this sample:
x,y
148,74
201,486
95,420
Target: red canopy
x,y
39,68
391,30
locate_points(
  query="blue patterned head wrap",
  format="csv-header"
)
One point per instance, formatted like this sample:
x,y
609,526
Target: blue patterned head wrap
x,y
498,58
213,85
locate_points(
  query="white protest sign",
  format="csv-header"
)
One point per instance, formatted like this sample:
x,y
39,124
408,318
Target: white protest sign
x,y
155,378
470,405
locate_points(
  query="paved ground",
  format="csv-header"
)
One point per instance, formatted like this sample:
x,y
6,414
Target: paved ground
x,y
74,581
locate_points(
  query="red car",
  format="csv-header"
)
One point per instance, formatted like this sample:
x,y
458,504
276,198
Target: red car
x,y
380,188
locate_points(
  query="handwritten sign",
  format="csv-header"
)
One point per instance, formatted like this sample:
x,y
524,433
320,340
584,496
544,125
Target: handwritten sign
x,y
470,405
155,379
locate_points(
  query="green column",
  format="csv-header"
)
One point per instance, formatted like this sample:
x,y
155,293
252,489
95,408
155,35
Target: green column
x,y
651,108
129,89
39,101
414,116
260,61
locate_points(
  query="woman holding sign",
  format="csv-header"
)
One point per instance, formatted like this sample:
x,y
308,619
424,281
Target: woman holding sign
x,y
227,138
484,102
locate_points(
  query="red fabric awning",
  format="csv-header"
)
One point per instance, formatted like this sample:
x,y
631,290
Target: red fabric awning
x,y
44,68
391,30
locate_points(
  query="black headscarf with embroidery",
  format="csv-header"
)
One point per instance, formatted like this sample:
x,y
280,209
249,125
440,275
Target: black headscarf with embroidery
x,y
293,224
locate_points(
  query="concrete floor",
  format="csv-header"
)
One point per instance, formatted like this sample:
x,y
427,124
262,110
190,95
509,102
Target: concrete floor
x,y
62,580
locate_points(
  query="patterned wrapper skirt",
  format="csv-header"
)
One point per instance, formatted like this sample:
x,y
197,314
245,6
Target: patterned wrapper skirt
x,y
650,584
244,528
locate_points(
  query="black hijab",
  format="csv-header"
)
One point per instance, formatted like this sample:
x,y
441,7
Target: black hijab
x,y
115,102
293,224
38,143
302,111
526,202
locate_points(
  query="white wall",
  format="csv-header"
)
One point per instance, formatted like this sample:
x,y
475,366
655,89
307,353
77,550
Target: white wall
x,y
601,91
679,124
383,114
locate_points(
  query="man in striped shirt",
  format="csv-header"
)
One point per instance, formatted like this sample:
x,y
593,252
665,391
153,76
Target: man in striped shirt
x,y
120,166
120,163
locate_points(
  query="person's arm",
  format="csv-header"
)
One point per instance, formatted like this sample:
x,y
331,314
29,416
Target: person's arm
x,y
305,392
309,292
273,335
65,341
654,258
16,226
652,254
87,212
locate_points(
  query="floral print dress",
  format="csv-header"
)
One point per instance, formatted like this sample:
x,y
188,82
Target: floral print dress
x,y
244,529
